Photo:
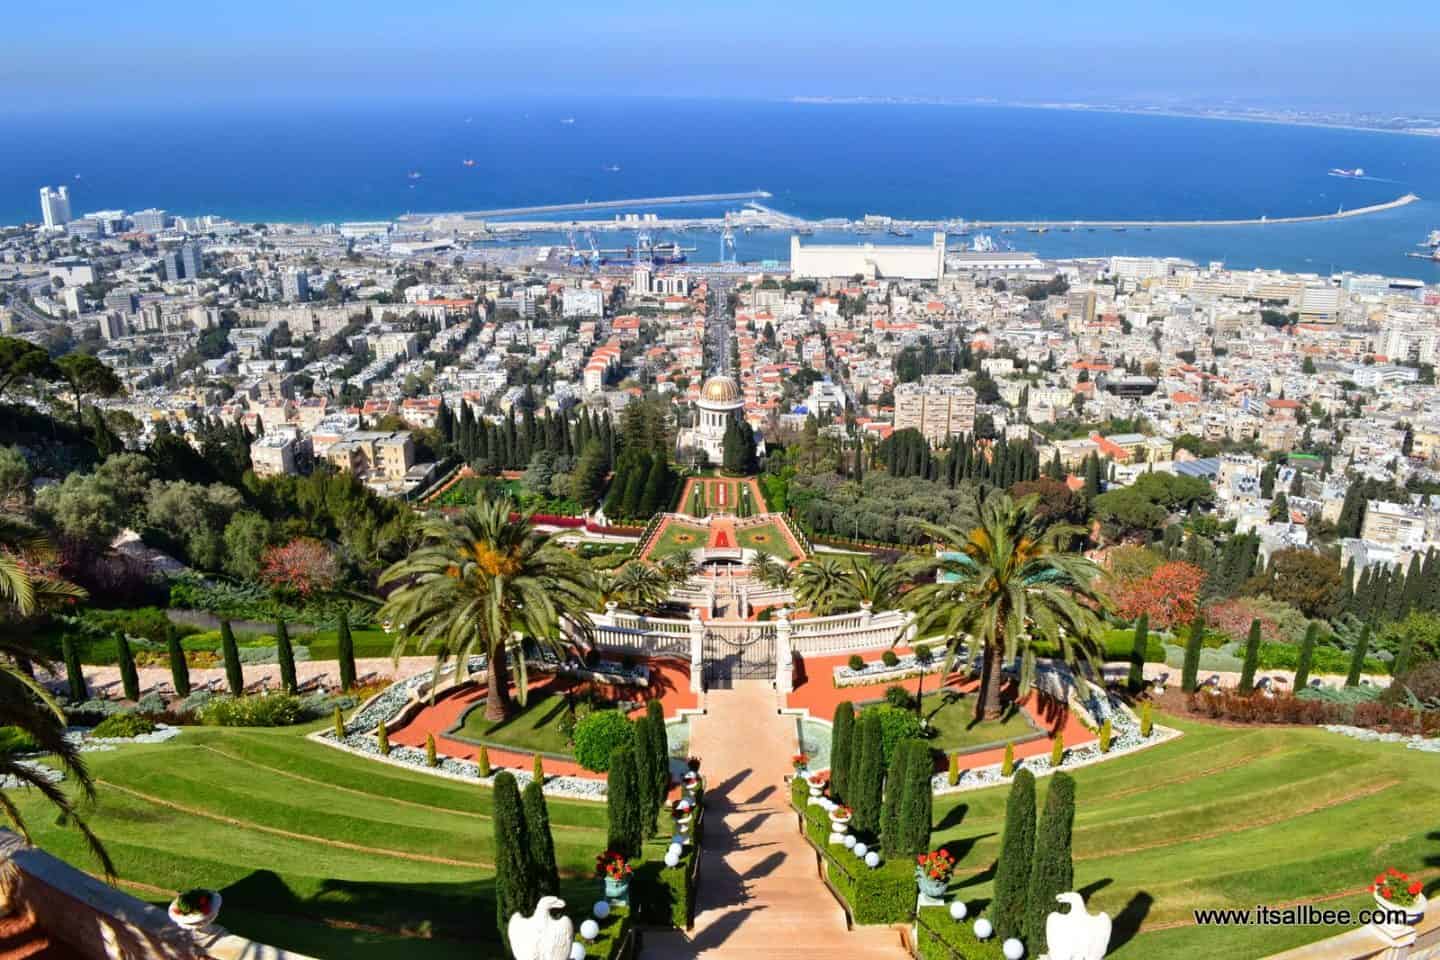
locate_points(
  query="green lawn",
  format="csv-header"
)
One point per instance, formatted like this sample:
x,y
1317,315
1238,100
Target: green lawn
x,y
679,538
1223,817
369,642
951,717
534,726
313,849
766,538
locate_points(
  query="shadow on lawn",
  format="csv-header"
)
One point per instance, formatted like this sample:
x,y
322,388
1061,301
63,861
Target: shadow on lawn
x,y
1127,922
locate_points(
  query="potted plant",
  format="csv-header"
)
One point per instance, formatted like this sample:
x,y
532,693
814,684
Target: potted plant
x,y
615,870
932,872
818,782
195,908
693,763
683,812
840,819
799,761
1394,890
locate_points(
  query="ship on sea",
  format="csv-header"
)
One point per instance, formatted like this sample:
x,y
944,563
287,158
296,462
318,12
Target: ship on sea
x,y
1355,174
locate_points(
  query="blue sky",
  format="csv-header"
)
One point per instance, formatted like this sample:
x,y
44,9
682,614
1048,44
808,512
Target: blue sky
x,y
65,55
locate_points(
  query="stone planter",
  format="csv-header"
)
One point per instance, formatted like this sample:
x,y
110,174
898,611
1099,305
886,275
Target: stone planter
x,y
617,889
1414,914
934,889
196,920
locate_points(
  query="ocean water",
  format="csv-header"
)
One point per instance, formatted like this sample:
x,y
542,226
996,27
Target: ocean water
x,y
335,162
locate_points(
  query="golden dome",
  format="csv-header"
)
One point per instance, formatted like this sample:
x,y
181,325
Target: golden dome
x,y
720,390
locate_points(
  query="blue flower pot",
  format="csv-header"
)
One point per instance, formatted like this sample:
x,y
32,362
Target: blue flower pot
x,y
934,889
616,889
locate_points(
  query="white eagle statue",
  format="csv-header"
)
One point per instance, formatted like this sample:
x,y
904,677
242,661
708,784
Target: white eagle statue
x,y
542,935
1076,935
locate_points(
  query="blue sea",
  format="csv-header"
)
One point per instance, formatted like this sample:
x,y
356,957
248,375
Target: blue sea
x,y
346,161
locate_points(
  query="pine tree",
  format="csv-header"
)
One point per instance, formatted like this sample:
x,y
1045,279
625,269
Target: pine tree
x,y
1357,657
285,655
1017,850
842,733
345,650
179,669
1306,658
1252,659
129,676
624,801
916,809
1052,872
1136,680
234,676
869,785
516,877
895,777
74,671
1190,673
542,844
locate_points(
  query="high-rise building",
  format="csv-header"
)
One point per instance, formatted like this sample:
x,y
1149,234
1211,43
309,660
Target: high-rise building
x,y
940,406
55,206
192,258
295,285
149,221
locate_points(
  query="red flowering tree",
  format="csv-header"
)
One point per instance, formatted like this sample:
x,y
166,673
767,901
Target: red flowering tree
x,y
1170,594
304,566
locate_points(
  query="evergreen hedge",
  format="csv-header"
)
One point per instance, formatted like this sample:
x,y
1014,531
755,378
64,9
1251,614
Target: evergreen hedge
x,y
657,754
1190,673
285,656
1017,849
624,803
895,778
129,676
842,734
1252,659
234,676
1051,872
916,800
542,844
515,874
868,786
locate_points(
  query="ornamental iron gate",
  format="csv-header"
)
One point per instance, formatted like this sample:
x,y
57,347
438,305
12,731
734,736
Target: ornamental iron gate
x,y
747,653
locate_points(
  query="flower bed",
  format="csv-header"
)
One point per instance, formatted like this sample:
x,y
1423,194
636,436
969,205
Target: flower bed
x,y
875,671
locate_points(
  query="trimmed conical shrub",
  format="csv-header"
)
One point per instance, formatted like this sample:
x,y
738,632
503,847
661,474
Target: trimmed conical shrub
x,y
869,786
624,802
179,669
339,724
1147,719
842,734
1357,657
1190,672
1306,658
431,760
1052,872
916,800
74,670
1252,659
129,676
515,874
1057,749
1007,763
1017,849
542,844
894,791
1136,680
345,650
285,656
234,676
382,740
482,761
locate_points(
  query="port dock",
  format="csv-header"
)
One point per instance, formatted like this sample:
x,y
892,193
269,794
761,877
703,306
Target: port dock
x,y
1406,200
591,205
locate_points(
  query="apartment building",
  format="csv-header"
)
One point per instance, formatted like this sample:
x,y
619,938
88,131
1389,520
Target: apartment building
x,y
940,406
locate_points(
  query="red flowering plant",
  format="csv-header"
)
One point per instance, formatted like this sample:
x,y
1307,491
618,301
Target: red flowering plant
x,y
819,780
303,566
799,760
1395,887
681,809
937,865
841,813
194,903
612,866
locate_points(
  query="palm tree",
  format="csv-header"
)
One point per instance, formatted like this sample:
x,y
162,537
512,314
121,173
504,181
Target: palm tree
x,y
769,570
24,703
878,584
822,584
679,567
1009,582
636,586
480,584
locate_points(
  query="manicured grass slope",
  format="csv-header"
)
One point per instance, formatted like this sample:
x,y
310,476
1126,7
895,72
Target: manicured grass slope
x,y
767,538
535,726
952,720
1223,817
314,850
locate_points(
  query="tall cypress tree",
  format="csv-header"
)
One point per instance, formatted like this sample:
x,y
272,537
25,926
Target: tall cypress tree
x,y
655,769
916,809
515,874
129,676
1252,659
74,670
1307,657
1136,680
285,656
1357,657
1017,850
542,844
869,786
179,669
842,732
345,649
895,778
624,803
1401,664
234,676
1053,870
1190,673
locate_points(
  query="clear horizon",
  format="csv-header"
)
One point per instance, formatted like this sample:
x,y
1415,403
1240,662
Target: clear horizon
x,y
1323,56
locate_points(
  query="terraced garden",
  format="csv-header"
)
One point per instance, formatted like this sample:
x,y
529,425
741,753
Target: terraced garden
x,y
314,850
1225,817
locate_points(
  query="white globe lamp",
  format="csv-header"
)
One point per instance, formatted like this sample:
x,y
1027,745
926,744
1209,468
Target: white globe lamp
x,y
849,840
1013,949
672,859
958,910
860,850
577,951
872,859
589,929
983,929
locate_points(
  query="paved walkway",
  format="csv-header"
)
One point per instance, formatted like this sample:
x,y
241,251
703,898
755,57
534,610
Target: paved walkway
x,y
760,895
